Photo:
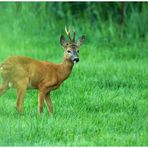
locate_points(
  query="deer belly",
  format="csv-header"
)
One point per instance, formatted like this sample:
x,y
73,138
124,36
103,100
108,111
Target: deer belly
x,y
55,86
32,85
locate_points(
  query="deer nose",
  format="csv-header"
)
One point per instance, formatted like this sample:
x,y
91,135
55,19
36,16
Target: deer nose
x,y
76,60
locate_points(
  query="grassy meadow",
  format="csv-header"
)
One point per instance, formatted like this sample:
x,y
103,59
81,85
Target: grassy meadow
x,y
104,102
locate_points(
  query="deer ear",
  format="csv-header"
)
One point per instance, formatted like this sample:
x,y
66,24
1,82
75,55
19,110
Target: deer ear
x,y
62,40
81,40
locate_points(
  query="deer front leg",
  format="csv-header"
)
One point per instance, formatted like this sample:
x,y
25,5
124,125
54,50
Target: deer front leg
x,y
49,103
41,101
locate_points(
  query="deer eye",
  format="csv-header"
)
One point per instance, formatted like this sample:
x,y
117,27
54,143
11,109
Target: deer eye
x,y
68,51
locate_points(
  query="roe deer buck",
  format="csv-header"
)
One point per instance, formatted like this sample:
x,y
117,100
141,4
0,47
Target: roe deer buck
x,y
23,72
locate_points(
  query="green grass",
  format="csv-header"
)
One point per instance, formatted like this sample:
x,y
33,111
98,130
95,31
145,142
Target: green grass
x,y
103,103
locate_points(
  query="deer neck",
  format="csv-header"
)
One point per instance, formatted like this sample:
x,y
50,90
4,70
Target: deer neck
x,y
65,69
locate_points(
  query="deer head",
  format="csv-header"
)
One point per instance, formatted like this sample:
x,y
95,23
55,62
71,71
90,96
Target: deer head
x,y
71,48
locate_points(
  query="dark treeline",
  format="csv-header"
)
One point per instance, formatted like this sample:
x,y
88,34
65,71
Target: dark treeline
x,y
122,18
63,10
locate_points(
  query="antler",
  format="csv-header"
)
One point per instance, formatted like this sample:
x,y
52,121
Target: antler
x,y
74,36
68,33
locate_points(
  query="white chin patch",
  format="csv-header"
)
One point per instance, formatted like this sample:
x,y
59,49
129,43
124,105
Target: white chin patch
x,y
74,62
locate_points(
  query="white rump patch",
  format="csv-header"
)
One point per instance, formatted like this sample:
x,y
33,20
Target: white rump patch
x,y
1,68
10,84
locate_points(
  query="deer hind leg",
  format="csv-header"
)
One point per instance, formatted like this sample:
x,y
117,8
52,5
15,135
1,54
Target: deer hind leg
x,y
3,88
49,103
21,87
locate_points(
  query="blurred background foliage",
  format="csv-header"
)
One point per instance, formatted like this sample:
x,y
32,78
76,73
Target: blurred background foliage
x,y
106,21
